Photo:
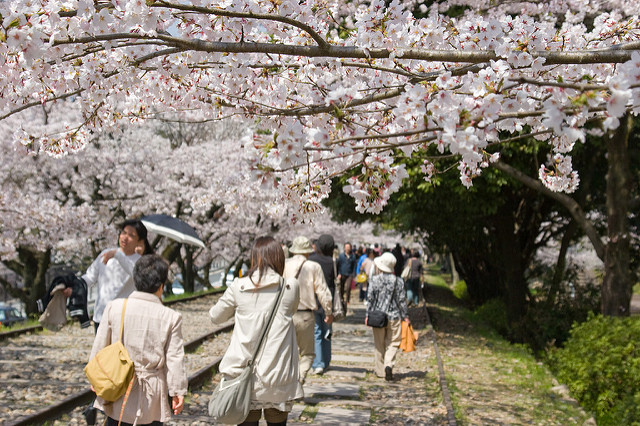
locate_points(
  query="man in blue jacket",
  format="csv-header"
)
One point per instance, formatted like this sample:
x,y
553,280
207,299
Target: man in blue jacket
x,y
346,271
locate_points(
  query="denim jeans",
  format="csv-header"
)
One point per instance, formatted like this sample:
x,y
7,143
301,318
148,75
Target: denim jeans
x,y
413,290
322,345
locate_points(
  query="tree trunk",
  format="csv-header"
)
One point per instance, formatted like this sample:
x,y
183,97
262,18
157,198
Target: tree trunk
x,y
561,263
188,272
205,275
616,288
454,273
172,253
32,267
511,272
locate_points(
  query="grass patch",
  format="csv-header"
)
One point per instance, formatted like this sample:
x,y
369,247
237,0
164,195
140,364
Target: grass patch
x,y
19,326
636,288
309,413
491,380
435,280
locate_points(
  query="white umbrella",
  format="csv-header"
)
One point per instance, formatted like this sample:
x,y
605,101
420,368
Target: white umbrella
x,y
173,228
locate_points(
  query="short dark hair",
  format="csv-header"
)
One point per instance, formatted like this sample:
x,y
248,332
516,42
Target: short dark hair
x,y
141,230
266,253
150,273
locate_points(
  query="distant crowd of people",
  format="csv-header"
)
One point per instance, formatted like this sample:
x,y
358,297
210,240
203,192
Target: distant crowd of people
x,y
311,274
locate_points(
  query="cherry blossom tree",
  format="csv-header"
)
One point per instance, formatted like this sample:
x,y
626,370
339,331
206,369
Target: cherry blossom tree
x,y
335,86
67,208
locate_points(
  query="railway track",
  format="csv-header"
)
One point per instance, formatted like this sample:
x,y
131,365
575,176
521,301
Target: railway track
x,y
44,383
43,378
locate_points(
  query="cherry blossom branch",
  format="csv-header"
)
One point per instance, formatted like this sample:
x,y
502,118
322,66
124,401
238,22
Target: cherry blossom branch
x,y
380,136
612,54
35,103
245,15
580,87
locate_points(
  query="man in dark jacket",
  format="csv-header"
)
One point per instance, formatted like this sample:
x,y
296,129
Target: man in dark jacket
x,y
322,330
346,271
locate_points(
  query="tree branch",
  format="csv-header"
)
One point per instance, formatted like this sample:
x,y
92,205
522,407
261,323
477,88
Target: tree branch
x,y
613,54
245,15
567,202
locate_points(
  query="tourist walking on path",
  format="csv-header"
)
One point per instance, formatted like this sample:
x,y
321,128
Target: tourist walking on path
x,y
346,271
250,300
415,278
322,331
112,270
152,334
366,267
313,289
386,294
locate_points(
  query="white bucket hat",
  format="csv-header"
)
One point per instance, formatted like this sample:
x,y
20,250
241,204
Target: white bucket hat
x,y
301,245
386,262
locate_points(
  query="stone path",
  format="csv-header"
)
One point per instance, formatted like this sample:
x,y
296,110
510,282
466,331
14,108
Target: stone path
x,y
349,393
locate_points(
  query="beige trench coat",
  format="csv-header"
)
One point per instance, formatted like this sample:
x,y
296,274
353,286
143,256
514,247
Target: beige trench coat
x,y
153,338
275,383
311,282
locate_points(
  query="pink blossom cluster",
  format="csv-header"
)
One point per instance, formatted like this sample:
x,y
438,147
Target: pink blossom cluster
x,y
328,87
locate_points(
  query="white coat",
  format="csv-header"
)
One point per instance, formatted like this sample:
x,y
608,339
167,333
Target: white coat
x,y
275,379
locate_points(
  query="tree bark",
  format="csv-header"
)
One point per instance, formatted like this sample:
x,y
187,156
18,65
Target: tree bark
x,y
510,253
561,263
454,272
616,288
569,203
188,271
32,267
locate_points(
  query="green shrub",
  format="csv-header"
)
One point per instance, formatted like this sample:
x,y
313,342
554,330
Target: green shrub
x,y
553,311
460,290
494,314
600,362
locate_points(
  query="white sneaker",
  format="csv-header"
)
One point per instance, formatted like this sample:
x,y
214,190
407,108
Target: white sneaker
x,y
318,370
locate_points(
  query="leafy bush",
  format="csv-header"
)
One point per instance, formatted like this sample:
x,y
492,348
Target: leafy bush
x,y
494,314
600,362
460,290
553,311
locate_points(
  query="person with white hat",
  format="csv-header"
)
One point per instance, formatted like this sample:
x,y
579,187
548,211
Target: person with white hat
x,y
313,288
386,294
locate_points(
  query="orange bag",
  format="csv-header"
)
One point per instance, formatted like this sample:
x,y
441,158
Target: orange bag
x,y
409,338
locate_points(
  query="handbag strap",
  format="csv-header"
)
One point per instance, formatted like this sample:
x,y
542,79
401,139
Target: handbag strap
x,y
300,268
126,395
265,331
395,285
124,306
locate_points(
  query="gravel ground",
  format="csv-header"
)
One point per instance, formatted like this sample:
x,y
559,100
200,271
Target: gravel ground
x,y
39,369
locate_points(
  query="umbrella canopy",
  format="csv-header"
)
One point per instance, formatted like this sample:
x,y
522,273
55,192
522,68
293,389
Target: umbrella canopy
x,y
173,228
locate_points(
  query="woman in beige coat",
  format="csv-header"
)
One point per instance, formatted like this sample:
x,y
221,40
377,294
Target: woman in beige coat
x,y
153,337
250,300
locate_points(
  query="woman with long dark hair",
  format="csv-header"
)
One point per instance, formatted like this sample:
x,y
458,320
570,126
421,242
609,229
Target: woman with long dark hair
x,y
250,300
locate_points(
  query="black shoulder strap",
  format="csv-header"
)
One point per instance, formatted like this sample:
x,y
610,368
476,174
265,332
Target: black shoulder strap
x,y
393,295
265,330
300,268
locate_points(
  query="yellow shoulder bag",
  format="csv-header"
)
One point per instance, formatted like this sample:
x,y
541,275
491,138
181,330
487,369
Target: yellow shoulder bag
x,y
111,371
